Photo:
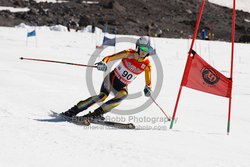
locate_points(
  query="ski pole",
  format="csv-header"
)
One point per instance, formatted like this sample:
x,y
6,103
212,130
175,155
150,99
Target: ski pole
x,y
160,108
60,62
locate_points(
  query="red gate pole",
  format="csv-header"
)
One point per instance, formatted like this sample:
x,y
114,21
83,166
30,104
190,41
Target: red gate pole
x,y
189,54
232,62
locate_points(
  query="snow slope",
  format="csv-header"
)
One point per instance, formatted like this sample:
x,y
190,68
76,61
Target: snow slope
x,y
240,4
29,137
11,9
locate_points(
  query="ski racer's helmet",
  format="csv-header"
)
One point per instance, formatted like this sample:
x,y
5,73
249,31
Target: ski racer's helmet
x,y
143,44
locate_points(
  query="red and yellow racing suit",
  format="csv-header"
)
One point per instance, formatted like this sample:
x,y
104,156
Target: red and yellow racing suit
x,y
117,80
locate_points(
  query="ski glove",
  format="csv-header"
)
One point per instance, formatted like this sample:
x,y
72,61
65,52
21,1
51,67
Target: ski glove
x,y
147,91
102,66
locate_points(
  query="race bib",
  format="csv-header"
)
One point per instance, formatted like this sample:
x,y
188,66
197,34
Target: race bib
x,y
124,74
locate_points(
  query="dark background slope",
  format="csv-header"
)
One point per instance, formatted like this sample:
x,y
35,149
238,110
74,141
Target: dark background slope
x,y
176,18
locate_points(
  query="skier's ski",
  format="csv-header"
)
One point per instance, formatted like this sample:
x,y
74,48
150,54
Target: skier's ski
x,y
80,120
74,120
114,124
86,122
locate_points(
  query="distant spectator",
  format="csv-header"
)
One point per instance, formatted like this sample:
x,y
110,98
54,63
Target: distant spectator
x,y
153,30
93,28
158,32
149,29
68,26
115,30
204,34
210,36
73,24
105,28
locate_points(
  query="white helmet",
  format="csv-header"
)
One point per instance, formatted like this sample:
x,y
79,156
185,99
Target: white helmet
x,y
145,42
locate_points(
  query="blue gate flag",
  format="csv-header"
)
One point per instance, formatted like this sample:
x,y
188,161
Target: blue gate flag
x,y
31,34
108,41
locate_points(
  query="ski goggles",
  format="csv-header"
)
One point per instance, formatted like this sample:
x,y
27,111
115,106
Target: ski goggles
x,y
145,49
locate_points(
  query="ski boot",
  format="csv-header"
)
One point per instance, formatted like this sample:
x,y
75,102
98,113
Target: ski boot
x,y
97,115
71,112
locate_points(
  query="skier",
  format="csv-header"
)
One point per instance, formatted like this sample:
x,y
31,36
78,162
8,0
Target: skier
x,y
133,63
